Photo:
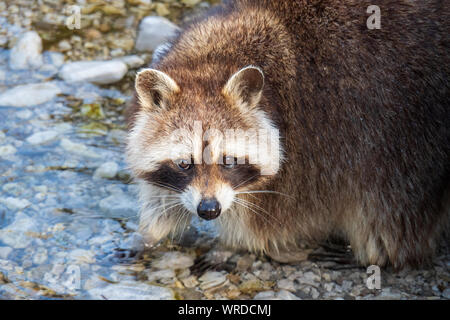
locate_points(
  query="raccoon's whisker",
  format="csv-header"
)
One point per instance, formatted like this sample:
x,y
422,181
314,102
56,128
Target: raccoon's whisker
x,y
259,214
246,205
241,183
148,206
260,208
184,227
164,186
178,221
266,191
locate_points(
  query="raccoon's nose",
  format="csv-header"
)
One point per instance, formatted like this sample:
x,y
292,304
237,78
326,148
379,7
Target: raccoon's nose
x,y
209,209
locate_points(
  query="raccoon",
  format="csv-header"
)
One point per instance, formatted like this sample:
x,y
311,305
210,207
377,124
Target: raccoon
x,y
357,120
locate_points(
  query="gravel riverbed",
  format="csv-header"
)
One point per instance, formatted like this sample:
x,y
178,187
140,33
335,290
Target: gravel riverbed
x,y
68,208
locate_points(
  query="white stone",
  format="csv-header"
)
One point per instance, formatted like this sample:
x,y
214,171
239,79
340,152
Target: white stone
x,y
78,148
212,279
29,94
286,284
15,234
154,31
7,150
81,256
15,203
107,170
99,72
4,252
132,62
24,114
131,291
64,45
118,205
27,52
286,295
173,260
42,137
271,295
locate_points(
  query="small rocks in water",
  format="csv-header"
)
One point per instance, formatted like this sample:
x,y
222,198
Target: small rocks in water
x,y
212,279
7,150
173,260
131,291
108,170
27,53
15,203
99,72
42,137
154,31
29,94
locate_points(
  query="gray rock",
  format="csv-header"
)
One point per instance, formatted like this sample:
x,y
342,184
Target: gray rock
x,y
81,256
271,295
132,62
118,205
15,234
286,284
99,72
154,31
15,203
27,53
29,94
131,291
107,170
173,260
40,256
212,279
4,252
78,148
42,137
7,150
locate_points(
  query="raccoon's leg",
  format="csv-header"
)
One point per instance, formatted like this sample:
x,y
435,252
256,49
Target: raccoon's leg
x,y
155,225
401,234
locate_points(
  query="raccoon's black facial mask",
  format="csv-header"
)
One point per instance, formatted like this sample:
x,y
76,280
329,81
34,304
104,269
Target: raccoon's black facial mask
x,y
169,175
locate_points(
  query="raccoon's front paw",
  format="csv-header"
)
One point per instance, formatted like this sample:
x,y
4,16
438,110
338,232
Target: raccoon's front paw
x,y
290,256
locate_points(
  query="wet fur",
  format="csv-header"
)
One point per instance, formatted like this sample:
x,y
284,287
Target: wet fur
x,y
364,119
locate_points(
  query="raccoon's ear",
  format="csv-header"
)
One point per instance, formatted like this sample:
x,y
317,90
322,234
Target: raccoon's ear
x,y
245,86
154,87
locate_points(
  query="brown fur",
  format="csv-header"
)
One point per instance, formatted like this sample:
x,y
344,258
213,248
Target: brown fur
x,y
364,117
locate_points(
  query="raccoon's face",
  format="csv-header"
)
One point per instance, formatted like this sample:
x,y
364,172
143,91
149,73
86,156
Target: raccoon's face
x,y
203,147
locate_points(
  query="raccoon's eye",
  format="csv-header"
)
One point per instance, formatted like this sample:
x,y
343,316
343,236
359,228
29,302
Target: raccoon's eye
x,y
229,162
184,164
